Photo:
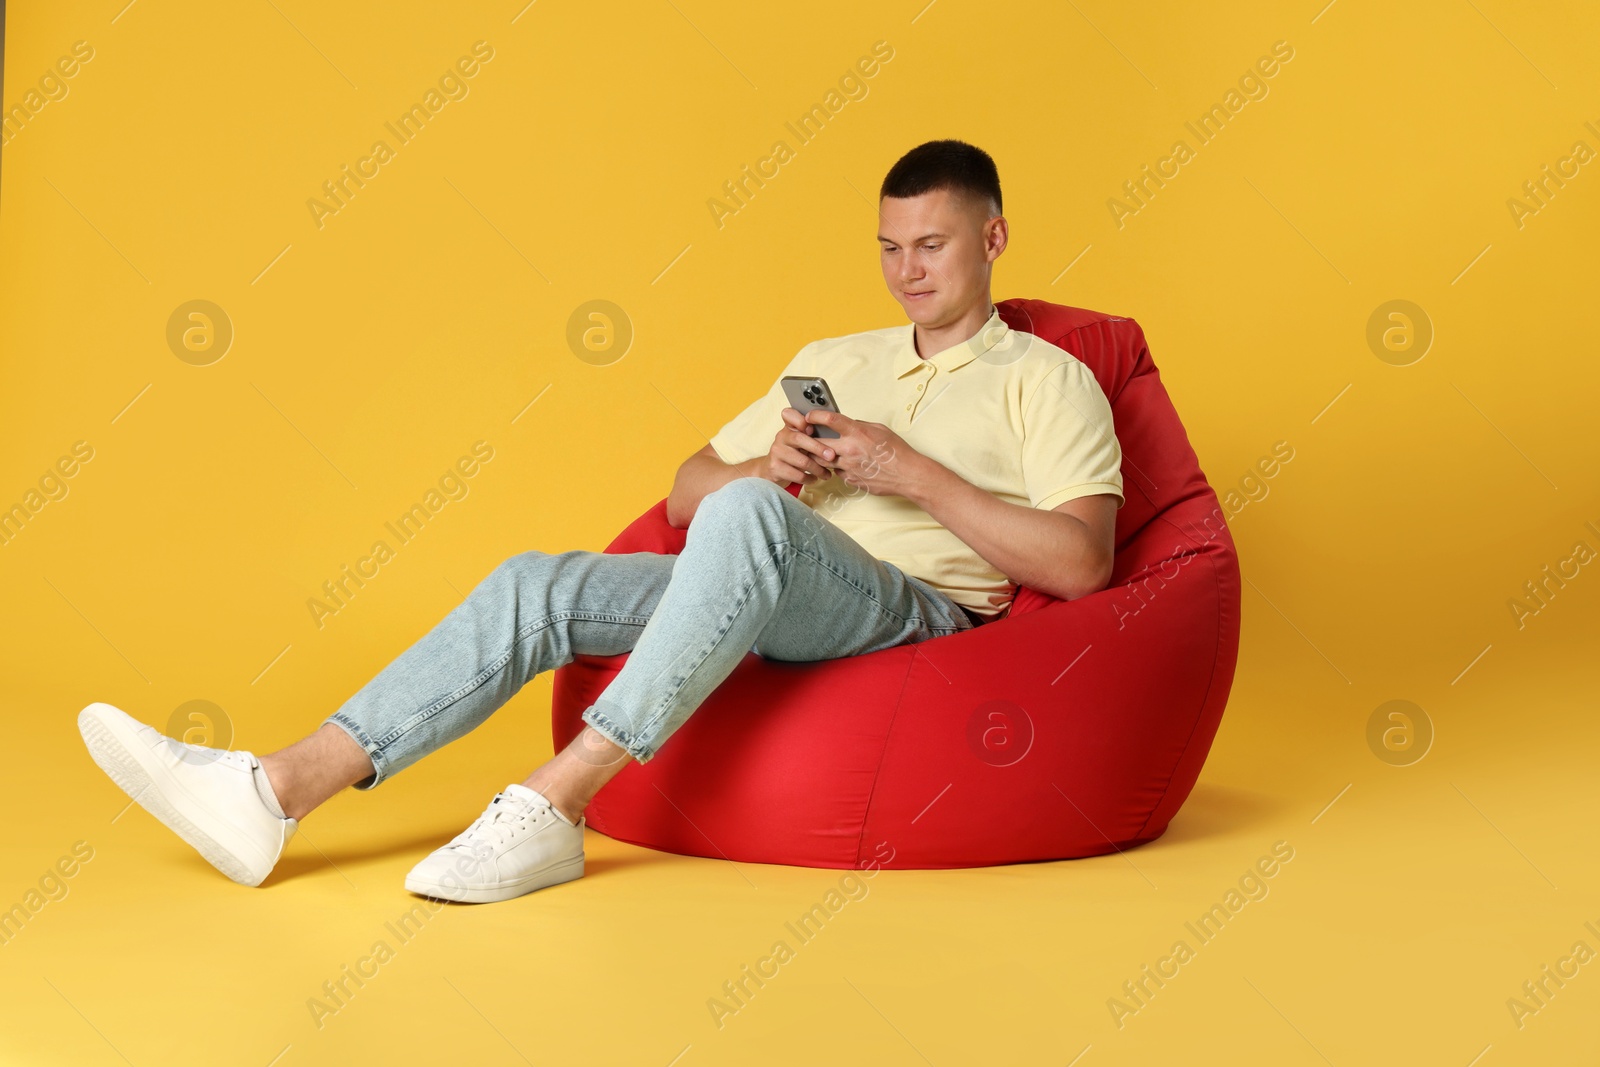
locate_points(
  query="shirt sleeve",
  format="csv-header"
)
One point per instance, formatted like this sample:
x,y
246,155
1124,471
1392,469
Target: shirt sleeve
x,y
1069,447
749,434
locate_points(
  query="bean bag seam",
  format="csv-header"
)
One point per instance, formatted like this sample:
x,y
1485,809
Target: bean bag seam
x,y
1105,320
888,733
1205,700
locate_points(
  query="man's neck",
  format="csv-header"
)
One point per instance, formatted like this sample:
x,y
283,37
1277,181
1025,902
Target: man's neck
x,y
929,342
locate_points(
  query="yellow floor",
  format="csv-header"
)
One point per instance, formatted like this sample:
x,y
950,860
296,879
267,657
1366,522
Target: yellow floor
x,y
1408,914
228,466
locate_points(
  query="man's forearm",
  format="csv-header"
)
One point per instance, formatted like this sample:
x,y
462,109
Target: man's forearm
x,y
700,475
1043,550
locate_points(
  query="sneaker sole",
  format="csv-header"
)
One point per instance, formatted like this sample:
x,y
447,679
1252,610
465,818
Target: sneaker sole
x,y
118,755
549,876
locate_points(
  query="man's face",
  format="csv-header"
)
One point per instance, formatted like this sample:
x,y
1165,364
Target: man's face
x,y
936,249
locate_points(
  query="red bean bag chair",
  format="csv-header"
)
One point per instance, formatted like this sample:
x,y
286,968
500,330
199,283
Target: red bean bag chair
x,y
1060,729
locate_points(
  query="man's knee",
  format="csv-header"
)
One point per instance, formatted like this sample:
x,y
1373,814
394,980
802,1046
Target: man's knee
x,y
746,486
512,571
755,512
523,561
740,495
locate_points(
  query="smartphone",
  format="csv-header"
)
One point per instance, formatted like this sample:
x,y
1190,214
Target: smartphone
x,y
807,393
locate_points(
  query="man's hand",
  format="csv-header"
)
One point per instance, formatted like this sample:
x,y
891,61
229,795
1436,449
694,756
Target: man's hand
x,y
795,455
1066,552
869,455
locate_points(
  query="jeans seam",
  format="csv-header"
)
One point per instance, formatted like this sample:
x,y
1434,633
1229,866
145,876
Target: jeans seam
x,y
959,613
422,717
845,578
942,631
665,702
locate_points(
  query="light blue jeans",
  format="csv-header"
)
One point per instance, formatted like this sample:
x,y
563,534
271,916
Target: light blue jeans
x,y
759,571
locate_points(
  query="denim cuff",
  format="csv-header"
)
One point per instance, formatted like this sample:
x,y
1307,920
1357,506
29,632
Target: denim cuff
x,y
618,736
379,763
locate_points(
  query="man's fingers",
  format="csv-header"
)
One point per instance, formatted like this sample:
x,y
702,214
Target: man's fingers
x,y
810,445
803,467
795,474
803,462
795,451
823,416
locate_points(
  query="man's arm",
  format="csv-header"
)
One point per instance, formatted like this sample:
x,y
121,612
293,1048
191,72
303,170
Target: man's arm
x,y
1066,552
700,474
795,455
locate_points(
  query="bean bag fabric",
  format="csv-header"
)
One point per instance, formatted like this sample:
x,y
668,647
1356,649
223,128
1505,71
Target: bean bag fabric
x,y
1060,729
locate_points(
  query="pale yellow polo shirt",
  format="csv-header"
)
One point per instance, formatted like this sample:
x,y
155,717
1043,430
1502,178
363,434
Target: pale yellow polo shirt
x,y
1007,411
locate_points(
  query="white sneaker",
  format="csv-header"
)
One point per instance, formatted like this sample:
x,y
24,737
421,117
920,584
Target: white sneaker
x,y
206,796
520,843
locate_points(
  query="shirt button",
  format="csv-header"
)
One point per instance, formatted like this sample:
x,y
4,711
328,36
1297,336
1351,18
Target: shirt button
x,y
919,388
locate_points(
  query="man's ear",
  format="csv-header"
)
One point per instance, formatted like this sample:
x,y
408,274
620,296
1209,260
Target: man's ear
x,y
997,236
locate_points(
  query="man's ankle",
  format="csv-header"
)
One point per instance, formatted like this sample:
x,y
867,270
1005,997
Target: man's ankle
x,y
568,806
569,812
281,782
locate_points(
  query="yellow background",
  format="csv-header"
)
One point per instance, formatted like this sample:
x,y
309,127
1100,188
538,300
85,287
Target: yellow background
x,y
428,313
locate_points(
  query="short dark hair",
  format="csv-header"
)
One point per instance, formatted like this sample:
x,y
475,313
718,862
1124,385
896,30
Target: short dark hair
x,y
953,165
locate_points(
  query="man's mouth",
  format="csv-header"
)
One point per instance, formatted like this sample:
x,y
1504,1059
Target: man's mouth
x,y
919,296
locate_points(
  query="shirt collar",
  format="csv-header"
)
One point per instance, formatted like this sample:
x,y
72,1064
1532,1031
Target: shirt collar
x,y
992,333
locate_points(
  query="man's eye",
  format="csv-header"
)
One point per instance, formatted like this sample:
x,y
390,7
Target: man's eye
x,y
932,248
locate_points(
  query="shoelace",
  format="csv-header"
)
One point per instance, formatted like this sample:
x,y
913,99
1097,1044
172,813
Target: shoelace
x,y
200,754
504,819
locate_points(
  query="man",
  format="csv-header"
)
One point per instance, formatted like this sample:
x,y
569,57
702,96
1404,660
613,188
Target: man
x,y
970,459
